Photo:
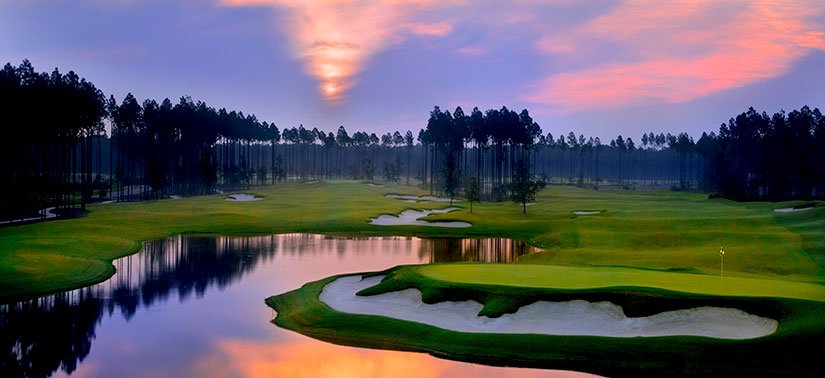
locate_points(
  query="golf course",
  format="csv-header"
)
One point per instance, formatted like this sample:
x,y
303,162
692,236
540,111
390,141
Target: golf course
x,y
648,252
412,189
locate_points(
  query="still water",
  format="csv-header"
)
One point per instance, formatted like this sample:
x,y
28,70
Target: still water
x,y
194,306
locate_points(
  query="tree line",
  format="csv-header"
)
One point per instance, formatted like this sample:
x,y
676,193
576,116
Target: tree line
x,y
754,156
68,144
53,127
59,156
760,157
489,146
499,139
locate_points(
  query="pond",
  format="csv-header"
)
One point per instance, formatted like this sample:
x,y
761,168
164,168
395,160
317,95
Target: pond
x,y
194,306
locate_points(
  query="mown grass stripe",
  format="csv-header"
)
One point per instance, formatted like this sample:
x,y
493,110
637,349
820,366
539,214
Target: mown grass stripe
x,y
562,277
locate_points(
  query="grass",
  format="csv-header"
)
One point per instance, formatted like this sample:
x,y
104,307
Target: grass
x,y
647,250
662,231
791,351
544,276
54,256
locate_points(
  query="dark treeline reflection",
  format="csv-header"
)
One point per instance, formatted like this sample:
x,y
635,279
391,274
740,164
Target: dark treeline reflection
x,y
56,331
481,250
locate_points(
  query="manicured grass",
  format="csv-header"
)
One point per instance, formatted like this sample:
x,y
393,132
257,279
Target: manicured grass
x,y
791,351
53,256
651,230
646,250
550,276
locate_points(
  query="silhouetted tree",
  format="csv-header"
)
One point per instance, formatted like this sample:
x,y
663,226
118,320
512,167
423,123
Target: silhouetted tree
x,y
471,190
523,188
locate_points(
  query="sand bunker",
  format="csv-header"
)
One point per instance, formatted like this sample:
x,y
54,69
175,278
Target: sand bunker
x,y
791,209
411,218
576,317
586,212
47,213
175,197
375,185
243,198
408,198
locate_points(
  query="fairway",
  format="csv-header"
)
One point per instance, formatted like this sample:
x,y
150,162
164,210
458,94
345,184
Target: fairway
x,y
648,252
658,231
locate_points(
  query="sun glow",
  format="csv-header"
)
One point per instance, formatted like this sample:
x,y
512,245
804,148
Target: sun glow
x,y
330,89
335,39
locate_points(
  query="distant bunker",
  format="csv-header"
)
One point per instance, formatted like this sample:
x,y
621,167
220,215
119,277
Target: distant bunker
x,y
792,209
587,212
414,199
412,218
243,197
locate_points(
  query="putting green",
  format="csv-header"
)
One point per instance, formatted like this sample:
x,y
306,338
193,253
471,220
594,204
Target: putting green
x,y
560,277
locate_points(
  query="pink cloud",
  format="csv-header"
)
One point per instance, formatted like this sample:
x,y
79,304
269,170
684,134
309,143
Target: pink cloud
x,y
676,52
473,51
555,45
336,38
248,2
432,30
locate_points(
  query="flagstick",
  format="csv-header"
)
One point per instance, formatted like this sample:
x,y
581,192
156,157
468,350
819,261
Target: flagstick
x,y
722,267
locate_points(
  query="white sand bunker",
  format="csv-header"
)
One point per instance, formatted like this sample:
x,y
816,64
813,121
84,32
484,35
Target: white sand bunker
x,y
375,185
576,317
47,213
791,209
243,198
586,212
411,218
415,199
175,197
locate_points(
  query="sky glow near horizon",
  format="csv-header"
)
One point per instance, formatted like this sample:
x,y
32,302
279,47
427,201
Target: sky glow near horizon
x,y
598,68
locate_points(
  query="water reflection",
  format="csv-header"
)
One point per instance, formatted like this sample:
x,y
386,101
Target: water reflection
x,y
250,359
43,335
52,333
478,250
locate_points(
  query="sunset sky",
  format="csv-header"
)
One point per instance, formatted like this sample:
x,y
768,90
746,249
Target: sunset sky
x,y
600,68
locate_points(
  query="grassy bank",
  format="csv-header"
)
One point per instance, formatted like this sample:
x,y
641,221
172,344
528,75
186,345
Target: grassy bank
x,y
661,231
53,256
